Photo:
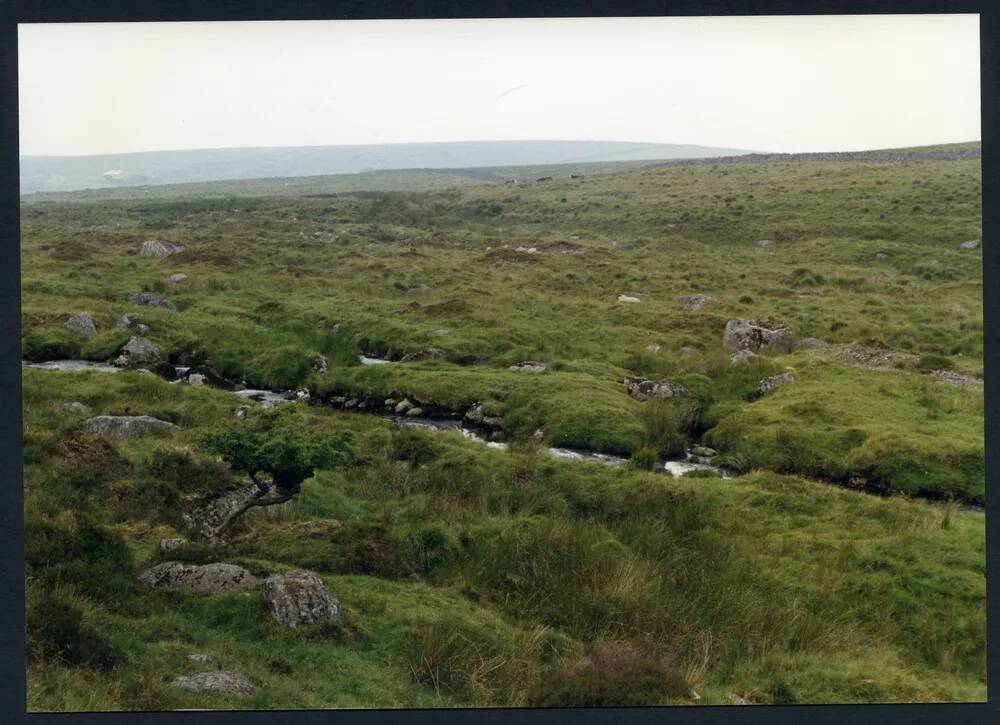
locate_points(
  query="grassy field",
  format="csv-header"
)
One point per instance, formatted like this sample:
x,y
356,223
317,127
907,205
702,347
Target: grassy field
x,y
474,576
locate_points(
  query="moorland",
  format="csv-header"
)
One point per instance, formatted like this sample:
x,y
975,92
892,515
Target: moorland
x,y
828,548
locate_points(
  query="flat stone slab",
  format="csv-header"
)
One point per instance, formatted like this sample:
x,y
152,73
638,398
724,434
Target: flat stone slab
x,y
127,427
217,682
216,578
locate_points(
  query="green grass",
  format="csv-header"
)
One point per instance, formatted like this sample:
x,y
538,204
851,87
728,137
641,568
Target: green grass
x,y
472,576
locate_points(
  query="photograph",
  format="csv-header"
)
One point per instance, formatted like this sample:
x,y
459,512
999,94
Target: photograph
x,y
554,362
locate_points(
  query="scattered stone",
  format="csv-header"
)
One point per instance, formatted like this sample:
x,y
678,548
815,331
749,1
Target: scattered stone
x,y
176,279
882,255
160,248
654,348
125,321
691,302
75,406
415,412
974,244
642,389
628,298
950,376
300,597
172,544
441,333
876,357
302,394
703,452
205,660
138,351
403,405
526,250
565,247
529,366
148,299
812,343
327,237
196,379
766,385
126,427
764,243
754,336
741,357
217,682
241,412
688,350
142,329
82,324
215,578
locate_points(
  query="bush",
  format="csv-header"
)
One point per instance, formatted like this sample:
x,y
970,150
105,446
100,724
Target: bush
x,y
56,633
86,556
644,459
612,675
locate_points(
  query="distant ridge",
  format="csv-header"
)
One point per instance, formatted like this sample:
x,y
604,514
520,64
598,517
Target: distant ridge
x,y
944,152
69,173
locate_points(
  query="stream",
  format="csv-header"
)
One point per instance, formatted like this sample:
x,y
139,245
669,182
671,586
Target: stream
x,y
271,398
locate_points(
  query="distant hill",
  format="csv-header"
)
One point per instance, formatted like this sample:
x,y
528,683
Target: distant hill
x,y
391,180
68,173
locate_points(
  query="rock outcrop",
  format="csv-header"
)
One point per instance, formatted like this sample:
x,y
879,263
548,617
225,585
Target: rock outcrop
x,y
642,389
755,336
691,303
160,248
301,597
211,518
138,351
215,578
82,324
766,385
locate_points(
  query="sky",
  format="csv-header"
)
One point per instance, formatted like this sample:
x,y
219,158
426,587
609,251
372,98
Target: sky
x,y
780,83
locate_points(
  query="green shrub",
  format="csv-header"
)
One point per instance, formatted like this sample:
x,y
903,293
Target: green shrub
x,y
644,459
56,633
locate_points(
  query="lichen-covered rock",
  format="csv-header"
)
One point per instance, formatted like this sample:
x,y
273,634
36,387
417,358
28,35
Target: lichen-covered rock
x,y
642,389
148,299
973,244
160,248
628,299
215,578
766,385
176,279
209,519
126,427
219,682
741,357
82,324
138,351
654,349
754,336
691,302
300,597
403,406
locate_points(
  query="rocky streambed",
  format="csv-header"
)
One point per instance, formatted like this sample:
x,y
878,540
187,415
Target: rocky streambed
x,y
473,425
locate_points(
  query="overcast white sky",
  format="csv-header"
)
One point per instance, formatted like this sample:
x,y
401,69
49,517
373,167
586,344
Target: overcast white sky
x,y
812,83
